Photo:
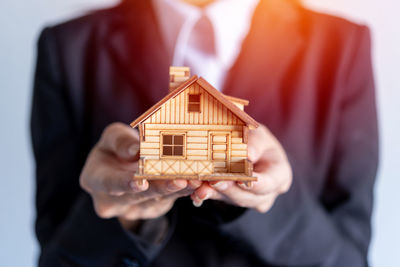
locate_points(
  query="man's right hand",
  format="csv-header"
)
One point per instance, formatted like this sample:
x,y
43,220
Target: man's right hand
x,y
108,177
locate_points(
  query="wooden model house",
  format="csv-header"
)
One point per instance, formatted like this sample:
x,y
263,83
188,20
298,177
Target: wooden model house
x,y
194,132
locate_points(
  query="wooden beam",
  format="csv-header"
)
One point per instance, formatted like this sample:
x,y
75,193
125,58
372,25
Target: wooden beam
x,y
221,177
141,132
245,134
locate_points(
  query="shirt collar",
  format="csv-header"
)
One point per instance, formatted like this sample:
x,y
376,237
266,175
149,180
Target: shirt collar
x,y
231,21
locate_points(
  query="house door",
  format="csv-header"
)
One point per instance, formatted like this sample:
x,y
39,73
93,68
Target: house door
x,y
220,151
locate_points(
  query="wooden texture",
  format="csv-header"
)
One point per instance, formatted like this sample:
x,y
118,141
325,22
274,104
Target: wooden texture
x,y
215,107
238,177
248,166
219,153
175,167
241,101
238,159
149,145
175,110
203,146
141,133
200,129
147,151
237,167
227,103
238,154
214,129
192,139
237,140
178,75
227,152
154,108
245,134
141,166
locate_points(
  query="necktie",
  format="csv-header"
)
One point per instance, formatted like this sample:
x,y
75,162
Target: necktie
x,y
200,53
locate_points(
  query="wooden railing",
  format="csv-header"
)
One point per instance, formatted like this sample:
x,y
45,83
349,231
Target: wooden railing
x,y
176,167
141,166
248,167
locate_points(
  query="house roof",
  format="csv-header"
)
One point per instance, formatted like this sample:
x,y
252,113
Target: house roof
x,y
241,101
211,90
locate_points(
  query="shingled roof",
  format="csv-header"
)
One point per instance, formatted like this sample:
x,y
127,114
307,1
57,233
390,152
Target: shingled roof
x,y
211,90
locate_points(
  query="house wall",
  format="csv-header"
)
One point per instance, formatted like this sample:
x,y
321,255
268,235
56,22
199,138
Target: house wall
x,y
198,143
174,111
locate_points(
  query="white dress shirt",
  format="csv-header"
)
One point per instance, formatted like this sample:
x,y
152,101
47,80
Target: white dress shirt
x,y
230,20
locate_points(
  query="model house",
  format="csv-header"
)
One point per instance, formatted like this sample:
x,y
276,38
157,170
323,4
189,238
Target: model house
x,y
194,132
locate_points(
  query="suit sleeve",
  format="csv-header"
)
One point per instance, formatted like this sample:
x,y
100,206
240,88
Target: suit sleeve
x,y
333,230
68,230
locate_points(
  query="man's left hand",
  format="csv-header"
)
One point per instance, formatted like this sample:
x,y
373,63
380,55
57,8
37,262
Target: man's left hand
x,y
271,167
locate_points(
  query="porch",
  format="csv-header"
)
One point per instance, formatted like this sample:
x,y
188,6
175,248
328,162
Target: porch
x,y
202,170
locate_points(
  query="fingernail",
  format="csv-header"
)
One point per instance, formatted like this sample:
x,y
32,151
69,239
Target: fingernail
x,y
220,186
197,204
137,184
172,185
132,185
206,196
195,183
179,183
246,185
133,150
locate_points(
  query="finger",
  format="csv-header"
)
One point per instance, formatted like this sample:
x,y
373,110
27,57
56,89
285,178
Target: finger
x,y
266,183
262,144
204,192
256,143
182,193
157,189
271,177
271,165
155,207
150,209
107,206
266,203
152,205
235,195
162,188
121,140
194,184
116,182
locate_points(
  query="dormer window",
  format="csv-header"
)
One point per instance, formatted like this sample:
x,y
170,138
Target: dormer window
x,y
194,103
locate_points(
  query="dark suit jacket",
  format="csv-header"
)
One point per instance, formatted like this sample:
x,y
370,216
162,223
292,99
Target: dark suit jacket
x,y
309,79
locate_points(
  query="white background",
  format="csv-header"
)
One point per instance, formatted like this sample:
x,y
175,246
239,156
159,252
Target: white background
x,y
20,22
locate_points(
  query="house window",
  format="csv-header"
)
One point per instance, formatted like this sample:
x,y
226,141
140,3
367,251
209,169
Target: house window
x,y
172,145
194,103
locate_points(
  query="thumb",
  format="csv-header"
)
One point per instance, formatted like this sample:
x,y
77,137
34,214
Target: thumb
x,y
254,153
121,140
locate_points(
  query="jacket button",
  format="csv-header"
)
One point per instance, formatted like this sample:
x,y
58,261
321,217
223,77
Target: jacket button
x,y
129,262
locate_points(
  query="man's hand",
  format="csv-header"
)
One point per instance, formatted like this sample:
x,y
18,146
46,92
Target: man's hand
x,y
108,177
271,167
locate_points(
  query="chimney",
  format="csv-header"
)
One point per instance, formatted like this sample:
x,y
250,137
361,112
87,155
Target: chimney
x,y
178,75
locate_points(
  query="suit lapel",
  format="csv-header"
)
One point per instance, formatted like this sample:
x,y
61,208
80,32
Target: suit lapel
x,y
136,46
